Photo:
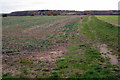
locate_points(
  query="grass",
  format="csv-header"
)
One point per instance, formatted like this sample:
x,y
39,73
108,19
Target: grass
x,y
110,19
65,33
84,62
85,66
26,61
100,31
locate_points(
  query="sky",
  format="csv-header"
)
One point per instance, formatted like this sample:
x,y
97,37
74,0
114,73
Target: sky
x,y
7,6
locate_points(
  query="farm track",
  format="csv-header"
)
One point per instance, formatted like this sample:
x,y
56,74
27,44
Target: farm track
x,y
103,48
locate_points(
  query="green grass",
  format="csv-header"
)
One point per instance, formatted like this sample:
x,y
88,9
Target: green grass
x,y
85,66
110,19
84,62
100,31
65,34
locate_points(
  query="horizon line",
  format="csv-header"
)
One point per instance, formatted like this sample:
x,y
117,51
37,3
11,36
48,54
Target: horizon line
x,y
52,9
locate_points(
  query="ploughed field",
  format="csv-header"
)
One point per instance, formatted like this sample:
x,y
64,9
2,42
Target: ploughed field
x,y
60,47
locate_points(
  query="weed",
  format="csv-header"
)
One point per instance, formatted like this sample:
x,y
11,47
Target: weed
x,y
25,61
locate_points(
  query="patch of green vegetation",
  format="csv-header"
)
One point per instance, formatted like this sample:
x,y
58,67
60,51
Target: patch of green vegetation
x,y
98,74
63,36
85,19
7,75
82,61
26,61
16,44
44,43
24,70
41,63
100,31
110,19
42,75
91,60
54,75
10,51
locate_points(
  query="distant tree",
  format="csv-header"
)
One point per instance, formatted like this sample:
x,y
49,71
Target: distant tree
x,y
32,14
49,13
4,15
56,13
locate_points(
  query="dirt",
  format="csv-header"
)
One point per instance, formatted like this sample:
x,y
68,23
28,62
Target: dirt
x,y
107,53
6,68
49,55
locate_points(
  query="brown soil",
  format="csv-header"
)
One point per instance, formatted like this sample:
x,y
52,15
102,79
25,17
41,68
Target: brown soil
x,y
49,55
113,58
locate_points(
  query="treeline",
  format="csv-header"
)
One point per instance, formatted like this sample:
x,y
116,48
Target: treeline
x,y
62,12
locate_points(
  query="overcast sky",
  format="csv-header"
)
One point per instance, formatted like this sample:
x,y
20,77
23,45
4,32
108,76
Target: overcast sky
x,y
8,6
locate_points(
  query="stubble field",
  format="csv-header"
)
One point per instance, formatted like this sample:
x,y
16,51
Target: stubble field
x,y
60,47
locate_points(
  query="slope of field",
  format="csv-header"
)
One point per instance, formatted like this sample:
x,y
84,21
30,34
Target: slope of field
x,y
110,19
21,33
26,45
79,47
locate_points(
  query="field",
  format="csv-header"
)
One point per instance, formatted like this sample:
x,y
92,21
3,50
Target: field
x,y
84,47
110,19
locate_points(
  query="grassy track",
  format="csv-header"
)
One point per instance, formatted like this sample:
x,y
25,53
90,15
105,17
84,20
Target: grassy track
x,y
83,60
101,31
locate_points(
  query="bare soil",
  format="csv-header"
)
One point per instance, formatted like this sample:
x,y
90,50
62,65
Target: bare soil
x,y
107,53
